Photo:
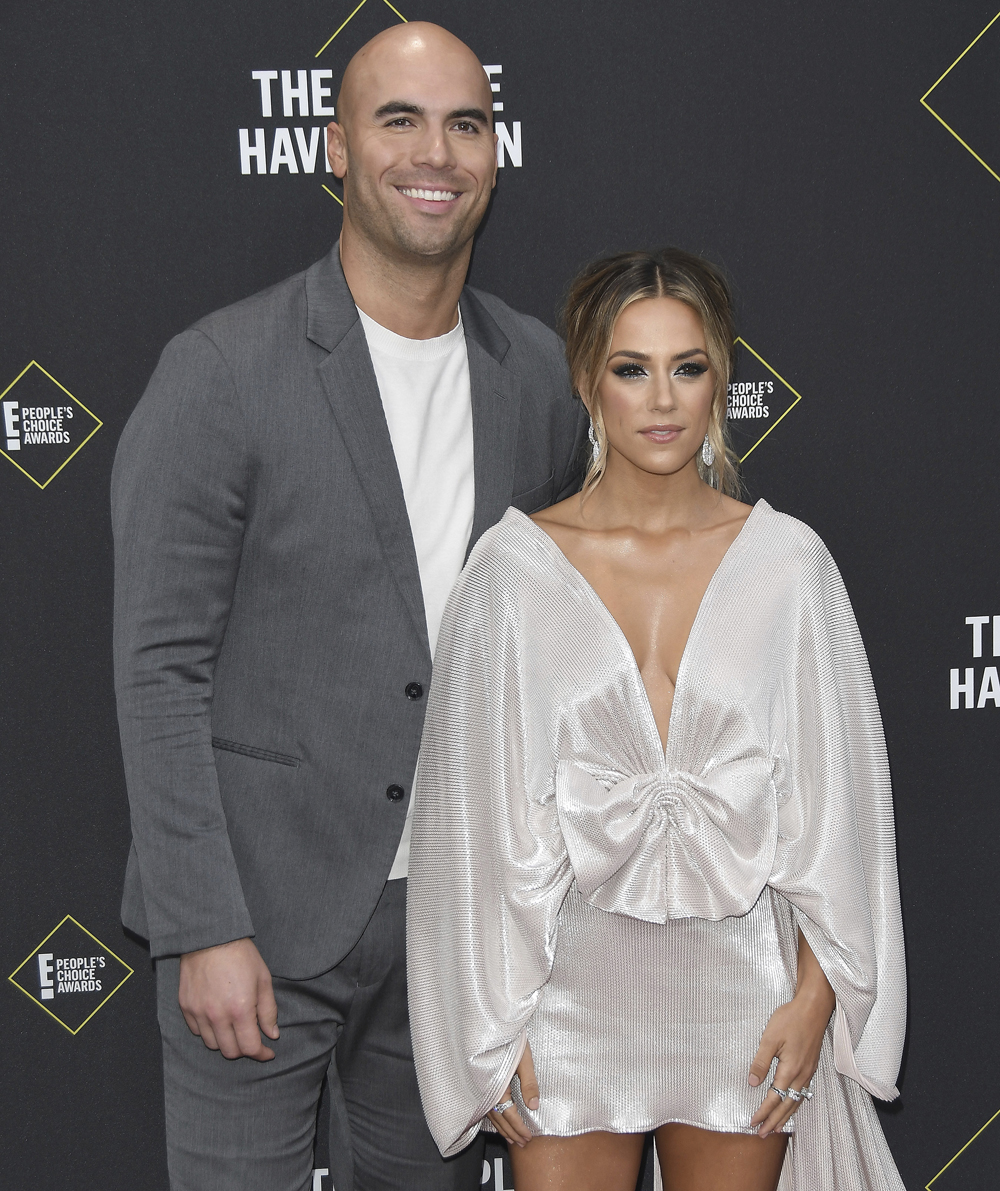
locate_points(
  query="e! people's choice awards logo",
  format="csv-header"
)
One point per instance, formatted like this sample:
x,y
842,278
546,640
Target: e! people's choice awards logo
x,y
758,399
71,974
308,94
44,425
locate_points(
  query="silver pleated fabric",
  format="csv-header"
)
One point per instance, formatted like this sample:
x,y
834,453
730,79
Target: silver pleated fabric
x,y
633,913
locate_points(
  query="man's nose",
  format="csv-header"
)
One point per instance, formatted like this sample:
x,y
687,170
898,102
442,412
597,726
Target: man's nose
x,y
434,150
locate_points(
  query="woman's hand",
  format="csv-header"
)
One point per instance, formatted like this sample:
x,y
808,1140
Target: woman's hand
x,y
795,1035
509,1124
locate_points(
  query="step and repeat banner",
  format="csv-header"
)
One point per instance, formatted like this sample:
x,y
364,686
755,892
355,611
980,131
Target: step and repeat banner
x,y
841,162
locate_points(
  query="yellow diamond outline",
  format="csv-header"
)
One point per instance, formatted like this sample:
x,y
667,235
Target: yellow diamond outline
x,y
791,388
982,1129
340,28
75,400
343,25
34,951
923,100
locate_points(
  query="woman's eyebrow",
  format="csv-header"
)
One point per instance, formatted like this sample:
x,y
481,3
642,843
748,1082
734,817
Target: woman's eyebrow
x,y
632,355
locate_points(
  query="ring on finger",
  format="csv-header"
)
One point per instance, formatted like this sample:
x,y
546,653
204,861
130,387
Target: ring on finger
x,y
782,1092
502,1108
798,1097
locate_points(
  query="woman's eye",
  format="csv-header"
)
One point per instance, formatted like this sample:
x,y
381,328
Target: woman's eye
x,y
692,369
629,371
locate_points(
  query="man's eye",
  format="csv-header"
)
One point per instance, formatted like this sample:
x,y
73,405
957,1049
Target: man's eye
x,y
399,121
466,126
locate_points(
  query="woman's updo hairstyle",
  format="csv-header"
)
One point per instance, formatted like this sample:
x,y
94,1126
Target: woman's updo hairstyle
x,y
596,300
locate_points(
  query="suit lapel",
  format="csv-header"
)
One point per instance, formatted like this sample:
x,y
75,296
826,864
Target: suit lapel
x,y
496,401
351,389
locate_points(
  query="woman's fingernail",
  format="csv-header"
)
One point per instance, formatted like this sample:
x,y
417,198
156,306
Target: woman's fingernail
x,y
533,1102
754,1081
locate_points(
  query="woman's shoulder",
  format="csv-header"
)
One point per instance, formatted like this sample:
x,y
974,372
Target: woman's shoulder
x,y
781,532
512,554
792,554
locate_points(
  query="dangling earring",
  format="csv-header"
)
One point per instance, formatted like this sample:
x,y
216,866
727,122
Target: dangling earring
x,y
595,446
707,452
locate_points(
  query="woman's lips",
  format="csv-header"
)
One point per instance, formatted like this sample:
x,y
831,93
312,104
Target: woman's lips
x,y
662,434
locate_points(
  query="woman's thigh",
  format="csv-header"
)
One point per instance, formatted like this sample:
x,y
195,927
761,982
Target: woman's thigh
x,y
590,1162
700,1160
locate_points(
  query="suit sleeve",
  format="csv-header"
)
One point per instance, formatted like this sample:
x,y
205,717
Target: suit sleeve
x,y
179,491
488,865
571,439
836,855
576,459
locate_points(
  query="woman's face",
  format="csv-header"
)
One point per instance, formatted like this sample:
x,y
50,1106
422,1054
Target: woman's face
x,y
656,389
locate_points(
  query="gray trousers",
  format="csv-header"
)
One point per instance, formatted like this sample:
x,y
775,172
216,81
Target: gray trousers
x,y
247,1126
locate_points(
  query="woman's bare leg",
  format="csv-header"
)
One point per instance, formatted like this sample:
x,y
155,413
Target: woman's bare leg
x,y
699,1160
590,1162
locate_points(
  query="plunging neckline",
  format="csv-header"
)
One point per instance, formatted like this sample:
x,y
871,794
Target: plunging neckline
x,y
618,632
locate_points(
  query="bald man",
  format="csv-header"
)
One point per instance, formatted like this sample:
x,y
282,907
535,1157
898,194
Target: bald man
x,y
293,499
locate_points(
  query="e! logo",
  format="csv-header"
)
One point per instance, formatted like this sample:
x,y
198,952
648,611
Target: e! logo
x,y
75,979
45,976
10,422
44,426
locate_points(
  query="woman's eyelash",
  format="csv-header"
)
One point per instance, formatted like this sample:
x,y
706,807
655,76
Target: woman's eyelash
x,y
630,371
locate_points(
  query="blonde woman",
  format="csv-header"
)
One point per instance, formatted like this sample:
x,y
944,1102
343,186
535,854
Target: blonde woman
x,y
653,870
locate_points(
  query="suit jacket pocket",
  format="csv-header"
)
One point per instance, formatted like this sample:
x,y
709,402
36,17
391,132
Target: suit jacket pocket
x,y
248,750
536,498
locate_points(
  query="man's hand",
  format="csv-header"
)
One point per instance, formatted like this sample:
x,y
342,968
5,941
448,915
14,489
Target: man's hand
x,y
226,997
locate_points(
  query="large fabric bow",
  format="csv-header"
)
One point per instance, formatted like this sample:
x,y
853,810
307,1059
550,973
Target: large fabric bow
x,y
670,845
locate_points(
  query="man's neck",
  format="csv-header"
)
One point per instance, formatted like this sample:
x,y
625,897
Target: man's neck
x,y
417,301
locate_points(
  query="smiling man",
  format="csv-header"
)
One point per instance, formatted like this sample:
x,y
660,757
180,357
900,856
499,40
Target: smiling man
x,y
293,499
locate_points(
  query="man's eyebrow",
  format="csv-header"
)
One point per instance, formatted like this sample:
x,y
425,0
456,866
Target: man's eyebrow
x,y
398,107
469,114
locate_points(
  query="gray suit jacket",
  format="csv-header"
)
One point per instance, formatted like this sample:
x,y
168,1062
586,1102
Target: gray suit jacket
x,y
268,612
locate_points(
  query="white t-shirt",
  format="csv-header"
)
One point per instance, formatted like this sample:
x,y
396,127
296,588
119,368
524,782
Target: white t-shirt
x,y
426,395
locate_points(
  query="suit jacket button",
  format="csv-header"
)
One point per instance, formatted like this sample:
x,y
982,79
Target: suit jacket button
x,y
414,690
395,793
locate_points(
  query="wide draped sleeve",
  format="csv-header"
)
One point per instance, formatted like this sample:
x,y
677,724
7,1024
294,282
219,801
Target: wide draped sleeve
x,y
836,856
488,866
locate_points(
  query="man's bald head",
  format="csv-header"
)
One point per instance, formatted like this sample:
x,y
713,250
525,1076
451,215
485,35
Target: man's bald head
x,y
413,47
414,144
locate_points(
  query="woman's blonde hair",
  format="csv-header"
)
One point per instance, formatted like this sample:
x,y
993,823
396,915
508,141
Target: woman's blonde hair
x,y
596,300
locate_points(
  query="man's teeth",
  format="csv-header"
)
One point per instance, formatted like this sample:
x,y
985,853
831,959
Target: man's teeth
x,y
431,196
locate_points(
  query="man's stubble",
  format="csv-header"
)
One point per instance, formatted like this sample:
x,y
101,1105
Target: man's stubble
x,y
390,233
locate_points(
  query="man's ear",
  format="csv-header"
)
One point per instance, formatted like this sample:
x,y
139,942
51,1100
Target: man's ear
x,y
336,148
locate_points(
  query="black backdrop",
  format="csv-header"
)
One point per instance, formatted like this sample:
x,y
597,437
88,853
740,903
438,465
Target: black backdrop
x,y
786,141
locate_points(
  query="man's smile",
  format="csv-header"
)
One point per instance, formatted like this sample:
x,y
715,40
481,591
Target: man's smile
x,y
429,196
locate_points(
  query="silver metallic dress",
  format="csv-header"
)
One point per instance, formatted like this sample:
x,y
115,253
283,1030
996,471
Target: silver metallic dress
x,y
631,913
